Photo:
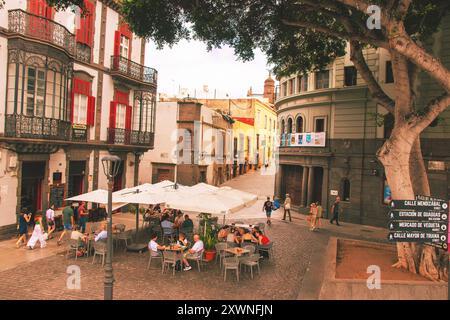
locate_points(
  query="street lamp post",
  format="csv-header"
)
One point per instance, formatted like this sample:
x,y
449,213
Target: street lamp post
x,y
111,166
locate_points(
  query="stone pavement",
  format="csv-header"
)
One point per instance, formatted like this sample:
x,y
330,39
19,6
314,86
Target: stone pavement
x,y
279,279
295,273
11,257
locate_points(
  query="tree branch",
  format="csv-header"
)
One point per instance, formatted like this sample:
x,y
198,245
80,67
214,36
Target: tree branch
x,y
378,94
335,33
401,42
434,108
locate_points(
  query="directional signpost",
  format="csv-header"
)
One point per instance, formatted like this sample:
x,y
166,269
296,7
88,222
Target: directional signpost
x,y
423,220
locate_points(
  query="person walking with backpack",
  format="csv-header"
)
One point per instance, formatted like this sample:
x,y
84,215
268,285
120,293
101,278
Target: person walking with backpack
x,y
267,208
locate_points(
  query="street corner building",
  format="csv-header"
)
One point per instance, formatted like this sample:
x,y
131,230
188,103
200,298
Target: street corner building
x,y
330,131
75,88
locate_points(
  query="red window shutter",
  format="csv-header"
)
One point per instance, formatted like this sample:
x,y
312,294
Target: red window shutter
x,y
112,114
90,111
72,105
90,24
117,43
81,86
128,118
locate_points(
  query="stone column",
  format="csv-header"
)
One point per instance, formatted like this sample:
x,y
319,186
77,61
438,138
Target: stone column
x,y
310,186
304,185
278,180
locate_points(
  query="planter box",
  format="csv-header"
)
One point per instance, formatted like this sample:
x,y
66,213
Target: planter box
x,y
351,289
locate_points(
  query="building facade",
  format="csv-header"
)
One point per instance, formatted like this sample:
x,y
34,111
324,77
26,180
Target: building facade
x,y
192,144
329,137
75,89
254,132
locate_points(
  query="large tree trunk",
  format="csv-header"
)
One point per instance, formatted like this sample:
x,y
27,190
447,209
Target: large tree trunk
x,y
401,156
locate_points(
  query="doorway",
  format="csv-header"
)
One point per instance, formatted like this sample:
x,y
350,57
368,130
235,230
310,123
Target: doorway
x,y
33,174
293,183
317,184
76,178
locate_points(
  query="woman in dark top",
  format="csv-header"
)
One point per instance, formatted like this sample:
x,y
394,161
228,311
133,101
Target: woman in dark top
x,y
24,219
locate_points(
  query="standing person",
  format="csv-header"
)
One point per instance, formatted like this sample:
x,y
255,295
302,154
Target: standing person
x,y
38,233
83,216
287,207
74,207
68,221
24,219
313,211
319,214
50,215
268,207
335,211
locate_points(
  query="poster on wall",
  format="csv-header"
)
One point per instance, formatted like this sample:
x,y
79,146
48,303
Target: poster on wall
x,y
307,139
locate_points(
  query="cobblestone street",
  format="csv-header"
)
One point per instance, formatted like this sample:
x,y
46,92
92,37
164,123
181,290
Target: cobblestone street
x,y
279,278
42,273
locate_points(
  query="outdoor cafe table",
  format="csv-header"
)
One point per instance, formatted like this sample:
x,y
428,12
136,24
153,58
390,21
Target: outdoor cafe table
x,y
237,251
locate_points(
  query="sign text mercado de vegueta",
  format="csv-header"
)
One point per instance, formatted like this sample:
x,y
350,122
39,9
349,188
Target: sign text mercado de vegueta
x,y
423,220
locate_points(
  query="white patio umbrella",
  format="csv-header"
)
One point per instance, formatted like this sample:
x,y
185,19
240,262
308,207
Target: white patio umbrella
x,y
247,197
99,196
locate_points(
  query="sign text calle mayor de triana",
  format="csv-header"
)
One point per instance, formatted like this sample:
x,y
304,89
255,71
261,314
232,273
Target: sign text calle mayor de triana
x,y
424,220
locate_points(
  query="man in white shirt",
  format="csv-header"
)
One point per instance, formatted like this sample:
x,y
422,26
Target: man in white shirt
x,y
103,234
193,253
154,247
50,215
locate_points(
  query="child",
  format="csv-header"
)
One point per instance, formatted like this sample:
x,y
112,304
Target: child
x,y
38,234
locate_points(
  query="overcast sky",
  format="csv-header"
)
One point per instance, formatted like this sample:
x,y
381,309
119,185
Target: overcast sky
x,y
190,66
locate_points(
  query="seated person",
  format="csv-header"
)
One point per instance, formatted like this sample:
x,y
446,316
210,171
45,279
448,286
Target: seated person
x,y
247,237
182,241
187,224
157,208
223,233
154,247
103,234
263,241
238,235
196,249
77,235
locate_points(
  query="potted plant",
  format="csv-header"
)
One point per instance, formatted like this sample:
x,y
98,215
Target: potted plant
x,y
209,241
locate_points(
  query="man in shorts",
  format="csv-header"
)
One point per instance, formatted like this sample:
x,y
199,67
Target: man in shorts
x,y
68,221
50,215
267,208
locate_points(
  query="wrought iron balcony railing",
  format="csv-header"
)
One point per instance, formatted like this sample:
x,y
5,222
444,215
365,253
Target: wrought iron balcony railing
x,y
22,126
33,26
130,137
83,52
133,70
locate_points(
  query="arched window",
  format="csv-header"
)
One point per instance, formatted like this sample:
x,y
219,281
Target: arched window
x,y
289,125
282,126
345,187
388,125
299,124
